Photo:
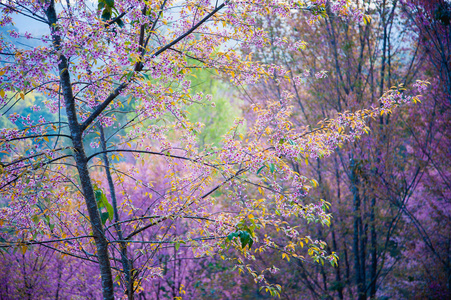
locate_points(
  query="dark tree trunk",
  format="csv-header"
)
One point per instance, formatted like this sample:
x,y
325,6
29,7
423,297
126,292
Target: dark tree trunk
x,y
81,161
126,264
356,237
373,271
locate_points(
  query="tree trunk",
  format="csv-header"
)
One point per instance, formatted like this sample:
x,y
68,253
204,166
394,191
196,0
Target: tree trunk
x,y
357,221
81,161
373,250
337,269
126,264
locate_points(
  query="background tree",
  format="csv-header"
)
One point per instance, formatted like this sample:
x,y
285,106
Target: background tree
x,y
371,184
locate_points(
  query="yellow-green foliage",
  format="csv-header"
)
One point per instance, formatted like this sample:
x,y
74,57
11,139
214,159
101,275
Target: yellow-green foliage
x,y
219,113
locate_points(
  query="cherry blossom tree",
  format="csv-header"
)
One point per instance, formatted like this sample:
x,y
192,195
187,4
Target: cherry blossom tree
x,y
372,182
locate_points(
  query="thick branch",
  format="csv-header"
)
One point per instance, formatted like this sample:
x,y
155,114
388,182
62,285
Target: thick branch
x,y
102,106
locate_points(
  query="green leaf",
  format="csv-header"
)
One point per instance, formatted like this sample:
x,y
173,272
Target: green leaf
x,y
102,201
233,235
259,170
99,198
104,217
103,198
109,3
110,211
251,242
100,5
177,245
244,238
106,14
97,193
272,168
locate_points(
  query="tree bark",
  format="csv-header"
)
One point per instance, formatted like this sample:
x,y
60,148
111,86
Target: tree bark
x,y
81,160
126,264
357,222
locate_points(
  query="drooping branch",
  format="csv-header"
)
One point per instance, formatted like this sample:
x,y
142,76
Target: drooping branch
x,y
33,242
150,152
170,242
36,136
156,217
32,16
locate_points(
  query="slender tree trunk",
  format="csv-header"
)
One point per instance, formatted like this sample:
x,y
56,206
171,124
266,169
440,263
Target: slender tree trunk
x,y
126,264
60,273
345,246
363,238
81,161
348,268
373,271
94,216
337,269
384,46
357,222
